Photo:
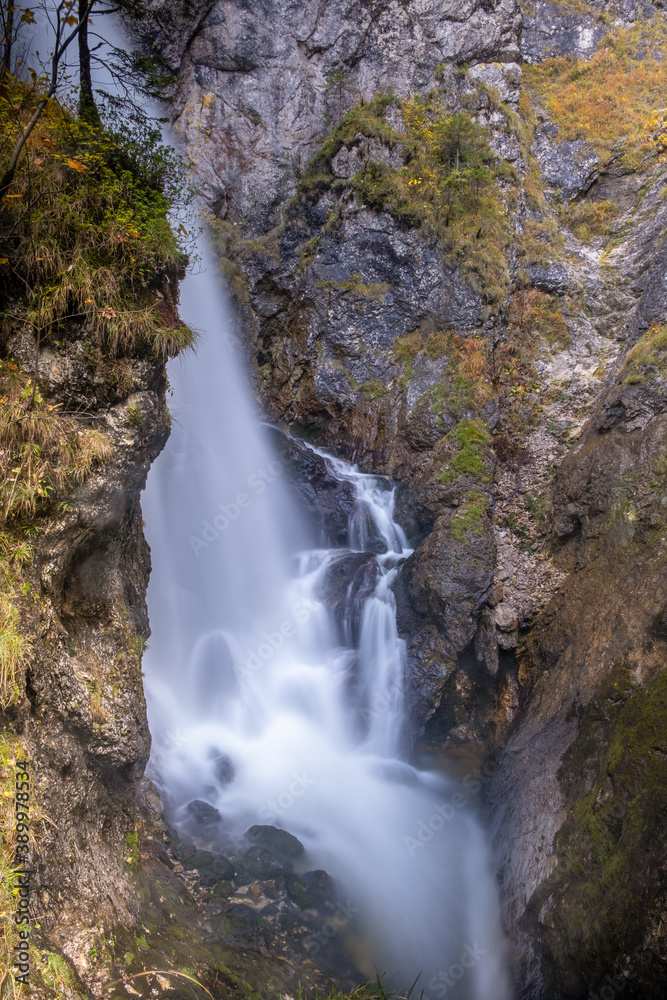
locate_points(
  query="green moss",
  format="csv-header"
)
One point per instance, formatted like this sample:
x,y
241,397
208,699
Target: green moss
x,y
473,442
607,884
133,416
374,388
366,119
448,184
469,517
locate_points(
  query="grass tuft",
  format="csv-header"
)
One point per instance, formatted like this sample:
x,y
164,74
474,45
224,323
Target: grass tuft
x,y
649,353
85,237
616,99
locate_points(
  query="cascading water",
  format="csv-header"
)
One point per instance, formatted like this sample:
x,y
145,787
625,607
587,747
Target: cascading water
x,y
271,711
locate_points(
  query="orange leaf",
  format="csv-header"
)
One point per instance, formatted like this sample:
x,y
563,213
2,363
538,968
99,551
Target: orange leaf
x,y
4,260
75,165
133,232
48,144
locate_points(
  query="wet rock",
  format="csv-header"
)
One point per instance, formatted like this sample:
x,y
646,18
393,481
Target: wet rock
x,y
223,769
346,585
279,842
327,501
486,643
203,813
212,868
310,889
263,864
448,579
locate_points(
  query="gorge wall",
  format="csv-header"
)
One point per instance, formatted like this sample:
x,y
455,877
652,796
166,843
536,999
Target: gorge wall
x,y
443,228
499,352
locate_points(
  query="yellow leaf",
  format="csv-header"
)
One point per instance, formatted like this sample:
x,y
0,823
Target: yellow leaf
x,y
4,260
75,165
133,232
71,20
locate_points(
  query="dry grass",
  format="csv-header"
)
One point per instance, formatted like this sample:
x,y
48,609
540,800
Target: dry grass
x,y
13,650
84,235
649,353
615,100
41,452
535,316
590,219
10,750
42,456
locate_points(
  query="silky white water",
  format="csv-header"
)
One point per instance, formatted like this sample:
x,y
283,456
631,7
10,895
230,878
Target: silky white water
x,y
247,666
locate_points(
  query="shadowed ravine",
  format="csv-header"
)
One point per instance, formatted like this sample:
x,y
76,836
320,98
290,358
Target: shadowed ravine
x,y
271,710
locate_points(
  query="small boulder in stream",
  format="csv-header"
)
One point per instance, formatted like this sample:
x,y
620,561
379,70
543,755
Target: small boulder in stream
x,y
278,842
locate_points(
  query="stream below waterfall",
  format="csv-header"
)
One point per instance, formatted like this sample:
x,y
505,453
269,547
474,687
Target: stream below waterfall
x,y
267,708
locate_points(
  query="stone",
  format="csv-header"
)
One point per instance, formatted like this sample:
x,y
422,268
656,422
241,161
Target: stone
x,y
486,643
310,889
203,813
571,168
273,72
212,868
279,842
223,769
263,864
505,617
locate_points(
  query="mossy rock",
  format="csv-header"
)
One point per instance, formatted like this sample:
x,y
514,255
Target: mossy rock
x,y
609,888
212,868
310,889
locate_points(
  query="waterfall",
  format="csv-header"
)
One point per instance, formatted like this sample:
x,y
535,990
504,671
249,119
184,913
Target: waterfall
x,y
264,707
269,710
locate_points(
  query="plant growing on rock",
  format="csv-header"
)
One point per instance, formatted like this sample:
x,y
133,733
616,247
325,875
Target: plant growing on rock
x,y
448,184
614,100
648,356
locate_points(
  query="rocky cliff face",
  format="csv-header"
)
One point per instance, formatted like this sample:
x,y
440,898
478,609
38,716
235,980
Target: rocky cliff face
x,y
443,227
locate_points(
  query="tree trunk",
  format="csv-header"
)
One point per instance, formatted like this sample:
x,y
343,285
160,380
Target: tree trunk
x,y
8,25
87,107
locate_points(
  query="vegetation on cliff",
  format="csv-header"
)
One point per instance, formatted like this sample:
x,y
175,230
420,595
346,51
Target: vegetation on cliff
x,y
449,182
89,270
615,100
610,846
87,255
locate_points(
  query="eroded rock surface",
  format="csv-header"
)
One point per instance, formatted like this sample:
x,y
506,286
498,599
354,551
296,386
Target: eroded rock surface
x,y
510,376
